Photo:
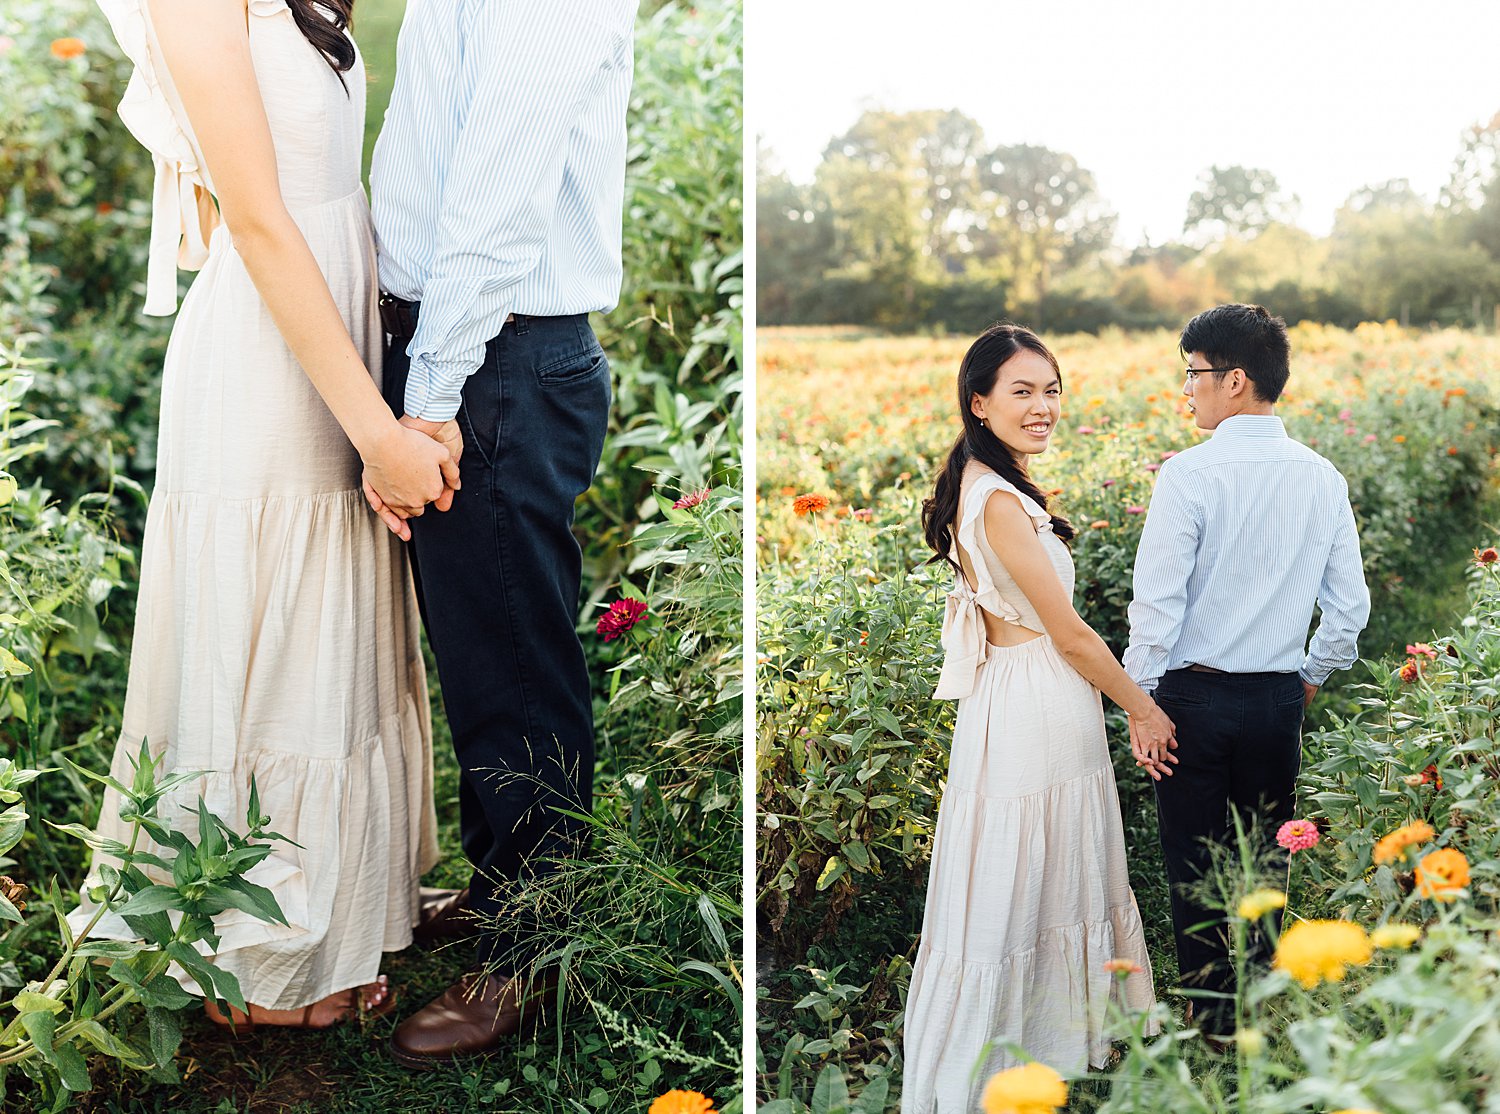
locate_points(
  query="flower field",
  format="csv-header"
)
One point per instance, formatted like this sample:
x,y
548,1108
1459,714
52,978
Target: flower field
x,y
1381,1010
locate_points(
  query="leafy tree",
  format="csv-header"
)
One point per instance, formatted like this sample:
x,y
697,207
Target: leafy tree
x,y
1039,213
1236,200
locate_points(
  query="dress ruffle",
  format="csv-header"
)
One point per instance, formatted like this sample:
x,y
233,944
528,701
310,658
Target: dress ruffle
x,y
299,676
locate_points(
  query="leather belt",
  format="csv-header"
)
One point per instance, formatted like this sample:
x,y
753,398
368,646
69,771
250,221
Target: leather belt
x,y
399,317
1196,668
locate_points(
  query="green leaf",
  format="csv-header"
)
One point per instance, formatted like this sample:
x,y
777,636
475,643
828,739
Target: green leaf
x,y
39,1027
872,1099
29,1001
166,1034
71,1068
255,900
164,992
111,949
8,911
831,1094
833,870
12,828
111,1045
154,899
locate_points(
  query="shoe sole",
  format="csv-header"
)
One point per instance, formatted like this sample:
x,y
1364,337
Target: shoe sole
x,y
432,1063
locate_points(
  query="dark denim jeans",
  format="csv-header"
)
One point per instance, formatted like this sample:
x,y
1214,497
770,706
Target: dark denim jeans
x,y
1239,743
497,580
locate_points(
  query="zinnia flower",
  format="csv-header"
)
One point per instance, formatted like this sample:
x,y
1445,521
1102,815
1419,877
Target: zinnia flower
x,y
1314,951
1028,1089
1133,509
620,618
1298,835
682,1102
67,49
1101,524
864,514
690,500
1442,874
1487,556
1254,906
805,505
1391,847
1415,648
14,892
1396,935
1123,967
1410,671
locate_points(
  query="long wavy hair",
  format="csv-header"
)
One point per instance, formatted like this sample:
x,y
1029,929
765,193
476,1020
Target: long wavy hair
x,y
325,30
976,376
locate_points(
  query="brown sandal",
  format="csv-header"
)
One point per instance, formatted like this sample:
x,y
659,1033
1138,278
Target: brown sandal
x,y
238,1023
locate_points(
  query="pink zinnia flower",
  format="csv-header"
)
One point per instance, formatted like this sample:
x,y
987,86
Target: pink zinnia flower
x,y
1297,835
1135,510
1152,467
1169,454
864,514
620,618
1085,429
1345,415
1108,483
1421,648
1370,437
690,500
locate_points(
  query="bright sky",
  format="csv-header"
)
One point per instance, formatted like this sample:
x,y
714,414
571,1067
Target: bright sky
x,y
1328,95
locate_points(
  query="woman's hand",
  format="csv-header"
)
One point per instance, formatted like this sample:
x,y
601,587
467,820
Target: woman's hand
x,y
404,471
1153,737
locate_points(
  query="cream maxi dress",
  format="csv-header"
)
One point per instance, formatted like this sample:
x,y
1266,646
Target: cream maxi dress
x,y
1028,896
277,633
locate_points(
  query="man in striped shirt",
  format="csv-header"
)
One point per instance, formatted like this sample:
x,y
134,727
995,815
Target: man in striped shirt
x,y
497,188
1246,532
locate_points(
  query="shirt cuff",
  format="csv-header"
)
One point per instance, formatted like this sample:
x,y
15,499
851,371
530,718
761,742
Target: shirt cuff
x,y
1314,675
434,390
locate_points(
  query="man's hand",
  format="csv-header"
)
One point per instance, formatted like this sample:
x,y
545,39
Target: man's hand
x,y
451,438
1308,692
1152,740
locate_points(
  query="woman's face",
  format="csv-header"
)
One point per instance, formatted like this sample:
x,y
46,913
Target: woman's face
x,y
1024,406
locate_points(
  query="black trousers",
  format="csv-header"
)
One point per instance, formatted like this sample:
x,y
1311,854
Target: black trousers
x,y
1239,739
497,581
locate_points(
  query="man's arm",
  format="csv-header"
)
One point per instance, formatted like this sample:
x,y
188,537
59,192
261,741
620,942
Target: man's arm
x,y
531,69
1345,602
1163,564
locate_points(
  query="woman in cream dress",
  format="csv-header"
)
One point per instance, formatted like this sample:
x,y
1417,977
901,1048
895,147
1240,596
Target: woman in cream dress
x,y
1028,895
276,635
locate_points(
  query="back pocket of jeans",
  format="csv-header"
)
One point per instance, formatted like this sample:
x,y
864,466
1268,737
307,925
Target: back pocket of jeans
x,y
579,365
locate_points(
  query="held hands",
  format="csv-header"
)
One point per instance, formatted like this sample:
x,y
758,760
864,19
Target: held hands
x,y
1153,737
416,463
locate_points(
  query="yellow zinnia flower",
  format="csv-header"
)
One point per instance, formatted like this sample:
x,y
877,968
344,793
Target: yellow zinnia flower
x,y
1390,848
1396,935
1256,905
1028,1089
1442,874
682,1102
1312,951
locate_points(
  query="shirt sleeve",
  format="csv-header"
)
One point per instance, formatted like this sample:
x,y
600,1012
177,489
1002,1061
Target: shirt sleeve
x,y
1344,600
1163,564
531,69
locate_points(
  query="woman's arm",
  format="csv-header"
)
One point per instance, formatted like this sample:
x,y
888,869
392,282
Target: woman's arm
x,y
207,49
1008,528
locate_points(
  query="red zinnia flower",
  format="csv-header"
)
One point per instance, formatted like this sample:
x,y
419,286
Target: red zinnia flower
x,y
690,500
1410,671
1431,776
1486,556
620,618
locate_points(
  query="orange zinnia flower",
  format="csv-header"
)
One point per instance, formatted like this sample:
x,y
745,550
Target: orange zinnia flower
x,y
805,505
682,1102
68,48
1391,847
1442,874
1102,524
1486,556
1410,671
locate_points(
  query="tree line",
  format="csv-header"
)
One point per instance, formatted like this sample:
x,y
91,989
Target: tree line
x,y
912,220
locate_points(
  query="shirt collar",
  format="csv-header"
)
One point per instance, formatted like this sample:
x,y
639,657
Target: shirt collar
x,y
1259,426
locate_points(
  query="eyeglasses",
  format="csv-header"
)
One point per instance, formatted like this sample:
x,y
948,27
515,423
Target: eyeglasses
x,y
1191,374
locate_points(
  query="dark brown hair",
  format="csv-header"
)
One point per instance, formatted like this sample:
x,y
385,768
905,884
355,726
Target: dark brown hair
x,y
976,376
326,31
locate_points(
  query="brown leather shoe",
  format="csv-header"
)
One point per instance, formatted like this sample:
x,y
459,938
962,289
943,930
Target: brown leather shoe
x,y
473,1016
443,916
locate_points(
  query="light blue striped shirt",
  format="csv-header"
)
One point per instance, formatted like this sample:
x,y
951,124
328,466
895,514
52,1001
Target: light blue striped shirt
x,y
1247,531
498,179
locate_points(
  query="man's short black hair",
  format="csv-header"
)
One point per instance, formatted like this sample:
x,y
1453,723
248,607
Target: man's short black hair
x,y
1243,336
